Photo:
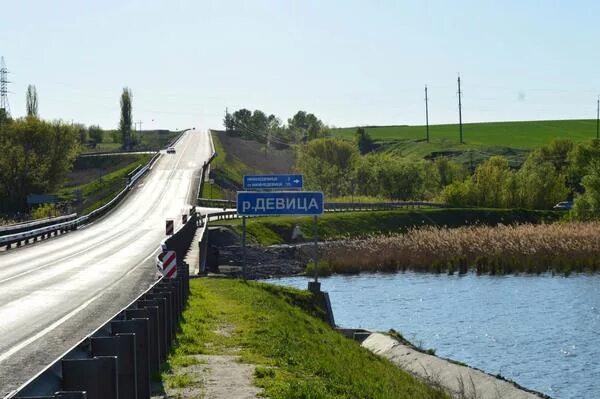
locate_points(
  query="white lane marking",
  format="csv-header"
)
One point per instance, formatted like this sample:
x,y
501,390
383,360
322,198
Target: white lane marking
x,y
46,330
63,319
72,255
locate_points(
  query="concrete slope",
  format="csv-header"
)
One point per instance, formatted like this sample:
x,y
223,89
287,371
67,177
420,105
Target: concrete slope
x,y
460,381
54,292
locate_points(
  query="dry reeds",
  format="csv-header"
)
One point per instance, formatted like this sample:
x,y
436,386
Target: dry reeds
x,y
560,248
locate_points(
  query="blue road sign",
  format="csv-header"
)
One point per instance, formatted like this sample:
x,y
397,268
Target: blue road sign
x,y
279,203
272,182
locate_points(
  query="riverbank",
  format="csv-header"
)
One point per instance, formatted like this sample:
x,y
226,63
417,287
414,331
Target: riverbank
x,y
461,381
342,226
280,335
560,248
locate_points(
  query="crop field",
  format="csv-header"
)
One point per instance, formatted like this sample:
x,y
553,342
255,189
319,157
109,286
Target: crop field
x,y
523,135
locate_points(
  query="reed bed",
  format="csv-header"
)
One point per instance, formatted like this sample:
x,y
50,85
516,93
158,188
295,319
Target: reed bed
x,y
534,249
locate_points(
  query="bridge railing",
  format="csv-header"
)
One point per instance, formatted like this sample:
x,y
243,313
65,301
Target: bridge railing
x,y
34,224
228,213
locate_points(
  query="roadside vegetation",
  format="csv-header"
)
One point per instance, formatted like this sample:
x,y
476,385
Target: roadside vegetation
x,y
342,226
96,180
556,162
302,126
280,331
38,158
505,249
550,174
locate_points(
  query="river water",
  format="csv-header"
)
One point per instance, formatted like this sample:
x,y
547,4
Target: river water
x,y
541,331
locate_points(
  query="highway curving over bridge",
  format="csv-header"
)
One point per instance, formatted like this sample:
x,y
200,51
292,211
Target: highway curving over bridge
x,y
55,292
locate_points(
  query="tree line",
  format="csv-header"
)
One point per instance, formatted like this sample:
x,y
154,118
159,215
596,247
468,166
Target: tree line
x,y
37,154
558,171
257,125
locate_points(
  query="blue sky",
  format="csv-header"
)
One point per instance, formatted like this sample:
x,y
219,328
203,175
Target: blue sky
x,y
349,62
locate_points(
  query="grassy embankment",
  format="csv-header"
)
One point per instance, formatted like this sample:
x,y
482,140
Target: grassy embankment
x,y
296,354
150,140
481,140
336,226
99,179
228,171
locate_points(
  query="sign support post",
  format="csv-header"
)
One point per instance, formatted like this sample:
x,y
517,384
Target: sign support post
x,y
244,246
316,260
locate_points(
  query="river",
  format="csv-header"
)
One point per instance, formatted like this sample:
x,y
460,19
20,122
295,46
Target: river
x,y
541,331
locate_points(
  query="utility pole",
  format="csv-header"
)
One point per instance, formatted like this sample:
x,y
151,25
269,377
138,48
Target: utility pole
x,y
460,111
4,106
598,118
426,114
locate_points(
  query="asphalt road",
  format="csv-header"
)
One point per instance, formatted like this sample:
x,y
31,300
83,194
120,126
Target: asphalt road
x,y
55,292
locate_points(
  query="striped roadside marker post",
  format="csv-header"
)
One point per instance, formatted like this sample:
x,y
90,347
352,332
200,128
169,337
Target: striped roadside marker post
x,y
169,226
169,266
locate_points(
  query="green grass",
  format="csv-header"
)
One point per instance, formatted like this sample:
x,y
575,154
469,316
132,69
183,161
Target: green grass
x,y
513,140
335,226
226,167
296,354
524,135
102,189
212,191
150,140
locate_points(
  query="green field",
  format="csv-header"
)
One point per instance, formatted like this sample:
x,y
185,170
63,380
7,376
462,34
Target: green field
x,y
480,140
524,135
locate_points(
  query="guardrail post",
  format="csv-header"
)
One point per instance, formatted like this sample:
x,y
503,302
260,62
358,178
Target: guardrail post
x,y
139,327
159,305
122,346
96,376
172,285
171,308
165,298
153,337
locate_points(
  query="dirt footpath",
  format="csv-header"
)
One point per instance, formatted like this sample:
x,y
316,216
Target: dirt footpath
x,y
460,381
215,377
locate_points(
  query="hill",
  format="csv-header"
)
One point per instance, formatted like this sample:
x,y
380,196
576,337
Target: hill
x,y
480,140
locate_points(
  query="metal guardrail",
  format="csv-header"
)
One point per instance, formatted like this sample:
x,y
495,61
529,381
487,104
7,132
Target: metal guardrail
x,y
337,206
118,359
61,228
25,226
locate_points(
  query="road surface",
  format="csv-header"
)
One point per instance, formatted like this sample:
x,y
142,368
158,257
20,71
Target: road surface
x,y
55,292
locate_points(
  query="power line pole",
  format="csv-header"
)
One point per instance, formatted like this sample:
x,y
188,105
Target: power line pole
x,y
460,111
140,131
598,118
4,88
426,114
